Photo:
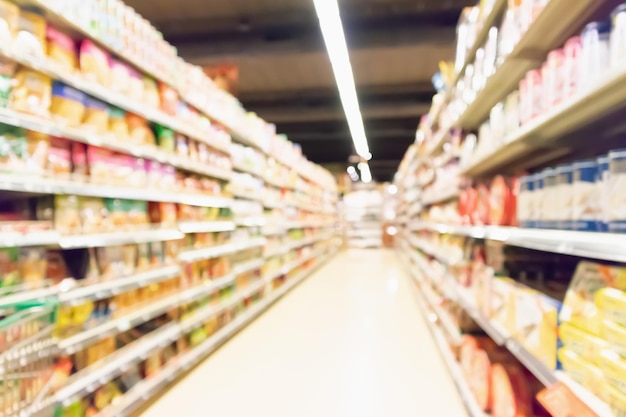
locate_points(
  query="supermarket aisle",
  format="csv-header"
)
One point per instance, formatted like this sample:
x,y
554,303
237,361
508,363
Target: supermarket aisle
x,y
349,341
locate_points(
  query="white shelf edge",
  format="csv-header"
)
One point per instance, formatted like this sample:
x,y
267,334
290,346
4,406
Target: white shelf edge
x,y
42,185
206,227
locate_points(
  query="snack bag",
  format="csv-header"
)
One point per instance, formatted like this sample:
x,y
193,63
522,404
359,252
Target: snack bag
x,y
33,266
93,215
32,93
9,16
169,99
150,92
38,147
66,214
59,163
140,132
96,115
120,76
118,125
31,33
94,63
166,139
61,49
13,148
67,104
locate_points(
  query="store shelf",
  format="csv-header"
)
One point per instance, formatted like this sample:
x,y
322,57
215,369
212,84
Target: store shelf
x,y
488,22
605,246
45,66
149,387
119,238
39,185
248,266
554,25
246,169
126,322
112,287
453,366
587,106
247,194
36,238
441,137
194,255
250,222
285,269
441,197
206,227
543,373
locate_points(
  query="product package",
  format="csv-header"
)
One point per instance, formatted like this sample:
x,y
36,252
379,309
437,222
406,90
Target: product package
x,y
94,63
32,93
67,104
96,116
61,49
31,34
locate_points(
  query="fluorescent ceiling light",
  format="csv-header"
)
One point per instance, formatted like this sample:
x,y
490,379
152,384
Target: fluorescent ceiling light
x,y
332,30
366,174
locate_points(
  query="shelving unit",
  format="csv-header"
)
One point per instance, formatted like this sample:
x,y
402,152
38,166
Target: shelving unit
x,y
458,231
174,261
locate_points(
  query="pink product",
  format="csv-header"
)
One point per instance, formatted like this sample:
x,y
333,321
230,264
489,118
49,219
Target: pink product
x,y
120,76
60,39
155,174
168,177
95,63
572,53
531,96
553,78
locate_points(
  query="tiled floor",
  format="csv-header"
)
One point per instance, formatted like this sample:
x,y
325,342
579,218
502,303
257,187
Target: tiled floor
x,y
349,341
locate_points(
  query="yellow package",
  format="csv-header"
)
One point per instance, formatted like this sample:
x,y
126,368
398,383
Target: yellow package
x,y
9,15
61,49
614,368
537,326
582,371
32,93
31,33
582,343
68,104
612,304
615,335
96,116
616,400
579,306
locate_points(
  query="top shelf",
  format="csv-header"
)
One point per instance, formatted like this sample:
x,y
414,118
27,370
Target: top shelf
x,y
554,25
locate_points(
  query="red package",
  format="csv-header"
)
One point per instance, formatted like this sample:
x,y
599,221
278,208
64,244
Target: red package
x,y
169,99
480,383
480,215
500,199
510,396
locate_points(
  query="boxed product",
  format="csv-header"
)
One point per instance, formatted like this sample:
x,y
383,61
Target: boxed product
x,y
579,307
584,344
536,324
582,370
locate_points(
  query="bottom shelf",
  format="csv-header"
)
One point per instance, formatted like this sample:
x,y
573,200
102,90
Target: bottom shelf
x,y
142,392
473,409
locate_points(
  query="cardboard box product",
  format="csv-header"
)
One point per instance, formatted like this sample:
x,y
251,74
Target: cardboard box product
x,y
579,306
536,324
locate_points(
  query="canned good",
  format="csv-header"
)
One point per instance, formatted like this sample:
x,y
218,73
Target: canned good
x,y
618,36
563,200
537,201
602,190
617,185
595,51
525,208
585,206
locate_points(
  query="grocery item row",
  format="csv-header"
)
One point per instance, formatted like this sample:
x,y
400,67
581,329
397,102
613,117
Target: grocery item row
x,y
581,356
91,341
